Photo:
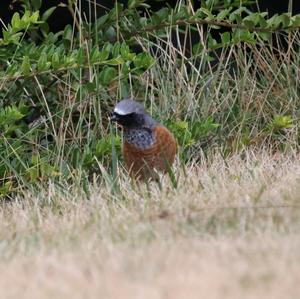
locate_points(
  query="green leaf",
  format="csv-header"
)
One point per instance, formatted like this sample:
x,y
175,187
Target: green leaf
x,y
26,66
69,60
207,13
281,122
255,19
36,4
225,38
136,3
104,54
251,20
115,61
236,15
241,35
95,54
25,18
249,23
197,49
163,13
44,27
143,60
107,75
116,49
295,21
212,43
280,21
55,61
68,33
16,22
6,188
42,63
125,52
101,21
102,148
179,15
223,14
182,133
286,19
265,36
90,86
204,128
80,58
34,17
12,69
48,13
9,116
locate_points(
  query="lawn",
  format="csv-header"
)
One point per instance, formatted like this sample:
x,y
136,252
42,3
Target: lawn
x,y
229,230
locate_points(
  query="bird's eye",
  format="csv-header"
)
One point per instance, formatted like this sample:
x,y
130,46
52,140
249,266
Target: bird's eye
x,y
114,116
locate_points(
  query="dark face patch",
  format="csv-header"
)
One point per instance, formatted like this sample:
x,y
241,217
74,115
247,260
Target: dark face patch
x,y
131,120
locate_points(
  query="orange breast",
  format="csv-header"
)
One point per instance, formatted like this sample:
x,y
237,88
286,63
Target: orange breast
x,y
143,163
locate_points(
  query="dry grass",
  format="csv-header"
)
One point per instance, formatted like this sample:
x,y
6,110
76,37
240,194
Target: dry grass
x,y
230,230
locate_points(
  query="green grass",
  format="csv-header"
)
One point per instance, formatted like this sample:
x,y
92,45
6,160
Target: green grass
x,y
228,100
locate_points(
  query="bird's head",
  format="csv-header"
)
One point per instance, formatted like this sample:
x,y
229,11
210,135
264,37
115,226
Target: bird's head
x,y
131,114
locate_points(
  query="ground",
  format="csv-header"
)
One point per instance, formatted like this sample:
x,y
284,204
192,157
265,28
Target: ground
x,y
229,230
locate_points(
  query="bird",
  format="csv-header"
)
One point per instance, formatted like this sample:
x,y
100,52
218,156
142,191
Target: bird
x,y
148,146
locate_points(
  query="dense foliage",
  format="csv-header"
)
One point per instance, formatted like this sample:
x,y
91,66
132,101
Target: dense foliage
x,y
57,89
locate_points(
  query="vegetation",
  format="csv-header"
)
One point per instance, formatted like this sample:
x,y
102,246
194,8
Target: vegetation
x,y
224,224
229,91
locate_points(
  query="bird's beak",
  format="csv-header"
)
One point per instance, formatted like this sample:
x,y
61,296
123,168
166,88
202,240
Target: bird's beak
x,y
113,117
